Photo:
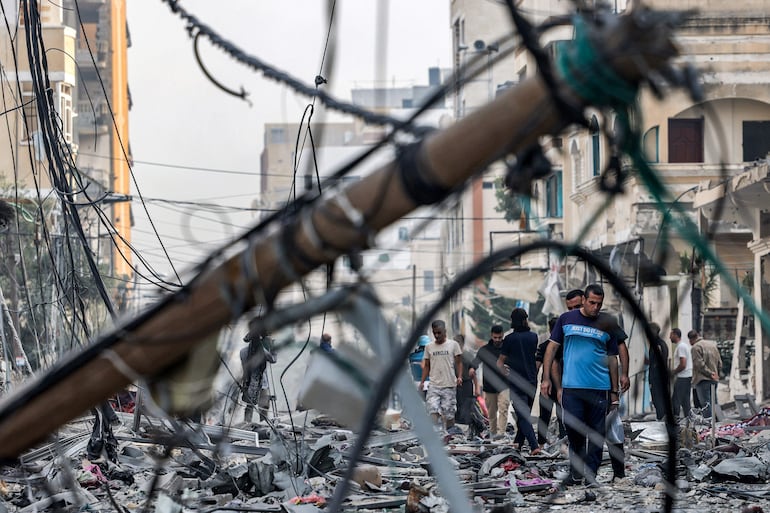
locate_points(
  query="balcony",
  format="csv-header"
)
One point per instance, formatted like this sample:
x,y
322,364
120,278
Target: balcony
x,y
91,118
694,173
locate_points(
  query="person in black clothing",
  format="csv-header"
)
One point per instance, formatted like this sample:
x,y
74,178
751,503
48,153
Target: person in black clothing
x,y
493,383
255,387
518,359
658,375
616,450
467,392
547,403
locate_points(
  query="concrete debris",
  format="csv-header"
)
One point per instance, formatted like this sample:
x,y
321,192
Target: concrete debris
x,y
297,471
648,475
748,469
367,476
261,474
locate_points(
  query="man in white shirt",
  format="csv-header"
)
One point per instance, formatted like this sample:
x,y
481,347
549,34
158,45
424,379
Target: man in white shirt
x,y
683,372
444,365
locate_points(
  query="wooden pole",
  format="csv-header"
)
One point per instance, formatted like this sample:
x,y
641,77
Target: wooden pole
x,y
447,159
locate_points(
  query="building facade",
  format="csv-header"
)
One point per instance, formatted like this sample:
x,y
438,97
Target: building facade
x,y
101,127
86,62
691,146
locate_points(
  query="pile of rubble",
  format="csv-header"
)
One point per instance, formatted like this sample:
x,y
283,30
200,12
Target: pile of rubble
x,y
168,468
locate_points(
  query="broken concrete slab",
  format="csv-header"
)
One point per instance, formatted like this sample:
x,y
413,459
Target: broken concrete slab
x,y
364,474
261,474
747,469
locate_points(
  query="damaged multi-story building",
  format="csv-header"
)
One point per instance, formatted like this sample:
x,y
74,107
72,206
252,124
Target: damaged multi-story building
x,y
710,154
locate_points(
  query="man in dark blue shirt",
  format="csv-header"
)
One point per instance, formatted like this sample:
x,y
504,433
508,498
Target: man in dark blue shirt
x,y
589,382
517,357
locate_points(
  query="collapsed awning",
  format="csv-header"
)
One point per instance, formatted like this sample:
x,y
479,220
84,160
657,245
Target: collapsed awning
x,y
749,189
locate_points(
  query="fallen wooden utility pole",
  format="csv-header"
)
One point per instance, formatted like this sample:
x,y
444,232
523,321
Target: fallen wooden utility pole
x,y
631,45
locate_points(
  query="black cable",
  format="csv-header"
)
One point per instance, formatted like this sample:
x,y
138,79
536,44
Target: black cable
x,y
34,177
22,259
309,110
156,478
43,94
179,166
242,94
21,106
285,395
271,72
328,38
122,144
308,199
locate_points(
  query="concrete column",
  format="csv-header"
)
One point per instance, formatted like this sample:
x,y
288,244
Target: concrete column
x,y
684,303
760,247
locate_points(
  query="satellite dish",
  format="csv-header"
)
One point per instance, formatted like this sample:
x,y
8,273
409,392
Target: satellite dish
x,y
479,45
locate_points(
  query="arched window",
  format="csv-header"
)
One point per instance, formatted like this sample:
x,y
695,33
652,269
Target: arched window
x,y
650,144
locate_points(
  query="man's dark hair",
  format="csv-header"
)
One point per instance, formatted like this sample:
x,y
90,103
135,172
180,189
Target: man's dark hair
x,y
594,289
655,328
519,319
693,335
552,323
438,324
497,329
572,294
677,332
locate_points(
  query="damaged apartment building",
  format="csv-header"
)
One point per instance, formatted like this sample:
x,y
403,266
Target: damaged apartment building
x,y
710,154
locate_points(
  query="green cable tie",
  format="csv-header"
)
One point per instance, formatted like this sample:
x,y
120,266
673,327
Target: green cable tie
x,y
596,81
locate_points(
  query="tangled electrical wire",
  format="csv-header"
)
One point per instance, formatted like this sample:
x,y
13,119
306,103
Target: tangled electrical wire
x,y
622,98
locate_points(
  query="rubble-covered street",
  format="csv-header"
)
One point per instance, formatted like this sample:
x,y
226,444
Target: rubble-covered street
x,y
216,311
295,467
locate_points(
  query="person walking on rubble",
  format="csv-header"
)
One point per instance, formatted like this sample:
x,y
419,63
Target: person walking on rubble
x,y
590,380
493,383
256,386
573,300
680,397
443,364
547,403
468,390
706,363
517,361
658,375
614,440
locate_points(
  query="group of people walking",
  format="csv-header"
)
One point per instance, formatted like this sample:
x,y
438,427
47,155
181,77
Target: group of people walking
x,y
584,364
698,364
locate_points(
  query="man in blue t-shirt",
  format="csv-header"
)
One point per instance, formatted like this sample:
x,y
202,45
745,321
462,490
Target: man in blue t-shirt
x,y
589,381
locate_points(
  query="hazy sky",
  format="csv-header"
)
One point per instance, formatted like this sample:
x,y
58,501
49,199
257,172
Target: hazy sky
x,y
180,119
